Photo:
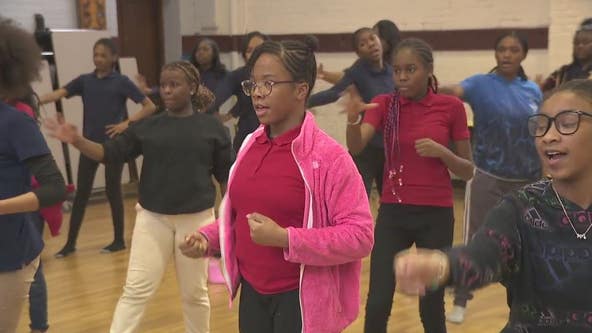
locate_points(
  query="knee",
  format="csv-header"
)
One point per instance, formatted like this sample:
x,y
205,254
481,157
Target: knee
x,y
139,290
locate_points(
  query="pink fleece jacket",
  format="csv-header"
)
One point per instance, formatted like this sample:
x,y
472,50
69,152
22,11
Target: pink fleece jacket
x,y
337,231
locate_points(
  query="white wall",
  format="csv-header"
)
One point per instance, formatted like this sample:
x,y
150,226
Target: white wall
x,y
331,16
565,17
59,14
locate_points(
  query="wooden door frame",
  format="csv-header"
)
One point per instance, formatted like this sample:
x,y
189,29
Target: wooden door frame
x,y
159,27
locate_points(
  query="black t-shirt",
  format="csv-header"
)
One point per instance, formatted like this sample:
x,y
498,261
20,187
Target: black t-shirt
x,y
529,246
180,156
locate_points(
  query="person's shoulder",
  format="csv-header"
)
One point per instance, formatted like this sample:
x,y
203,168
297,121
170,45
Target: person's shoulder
x,y
481,77
532,192
327,149
448,100
530,85
11,118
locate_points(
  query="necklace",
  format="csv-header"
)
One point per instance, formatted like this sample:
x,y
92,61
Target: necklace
x,y
578,235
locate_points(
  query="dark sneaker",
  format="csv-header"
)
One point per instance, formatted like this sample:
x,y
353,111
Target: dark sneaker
x,y
65,251
113,247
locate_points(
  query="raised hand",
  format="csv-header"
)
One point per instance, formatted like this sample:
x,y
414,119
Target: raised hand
x,y
265,231
142,83
354,104
419,270
320,72
61,130
194,246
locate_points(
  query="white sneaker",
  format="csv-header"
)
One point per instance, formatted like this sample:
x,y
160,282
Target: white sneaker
x,y
457,315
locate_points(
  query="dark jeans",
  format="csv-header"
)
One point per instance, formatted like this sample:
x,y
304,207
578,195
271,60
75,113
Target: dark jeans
x,y
38,290
278,313
370,163
87,169
397,228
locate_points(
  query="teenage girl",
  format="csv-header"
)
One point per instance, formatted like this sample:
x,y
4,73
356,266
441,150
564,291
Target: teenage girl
x,y
295,222
371,76
504,153
419,125
182,148
23,152
231,85
104,93
537,240
581,65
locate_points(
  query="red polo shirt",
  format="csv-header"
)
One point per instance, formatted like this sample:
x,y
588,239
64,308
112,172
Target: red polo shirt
x,y
424,180
268,181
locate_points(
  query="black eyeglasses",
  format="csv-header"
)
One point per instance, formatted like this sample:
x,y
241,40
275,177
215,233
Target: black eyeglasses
x,y
265,87
566,122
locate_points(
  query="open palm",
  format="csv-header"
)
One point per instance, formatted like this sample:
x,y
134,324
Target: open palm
x,y
61,130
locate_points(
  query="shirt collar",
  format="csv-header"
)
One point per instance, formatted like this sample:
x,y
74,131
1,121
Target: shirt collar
x,y
112,73
427,100
282,140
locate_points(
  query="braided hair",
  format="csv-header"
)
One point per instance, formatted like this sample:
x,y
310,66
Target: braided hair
x,y
296,56
424,52
202,98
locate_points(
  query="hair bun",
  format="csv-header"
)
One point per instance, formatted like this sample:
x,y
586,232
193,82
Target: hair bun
x,y
311,42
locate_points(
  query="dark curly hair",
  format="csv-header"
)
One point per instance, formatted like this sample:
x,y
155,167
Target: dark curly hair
x,y
20,60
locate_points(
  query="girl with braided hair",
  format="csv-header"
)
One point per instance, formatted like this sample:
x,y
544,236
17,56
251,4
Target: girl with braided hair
x,y
182,148
418,126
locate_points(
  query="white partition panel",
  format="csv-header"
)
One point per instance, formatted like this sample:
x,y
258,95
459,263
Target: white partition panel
x,y
74,56
43,86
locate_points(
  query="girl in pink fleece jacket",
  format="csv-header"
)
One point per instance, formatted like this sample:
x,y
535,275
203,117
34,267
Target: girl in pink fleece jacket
x,y
295,222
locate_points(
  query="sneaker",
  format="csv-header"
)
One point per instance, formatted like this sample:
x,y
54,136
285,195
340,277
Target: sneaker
x,y
65,251
113,247
457,315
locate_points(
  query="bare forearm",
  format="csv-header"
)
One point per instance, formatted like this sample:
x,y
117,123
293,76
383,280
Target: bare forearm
x,y
27,202
354,138
148,108
333,77
93,150
461,167
52,96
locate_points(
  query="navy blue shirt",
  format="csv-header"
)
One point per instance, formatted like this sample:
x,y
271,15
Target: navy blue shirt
x,y
20,139
369,82
243,110
211,79
103,100
502,145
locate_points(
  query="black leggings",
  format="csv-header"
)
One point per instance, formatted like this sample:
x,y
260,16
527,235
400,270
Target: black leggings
x,y
87,169
397,228
278,313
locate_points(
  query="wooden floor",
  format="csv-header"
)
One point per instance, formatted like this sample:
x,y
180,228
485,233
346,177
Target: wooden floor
x,y
84,288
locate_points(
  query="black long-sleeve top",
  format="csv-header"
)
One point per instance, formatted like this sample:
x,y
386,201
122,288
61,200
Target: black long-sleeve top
x,y
180,156
528,245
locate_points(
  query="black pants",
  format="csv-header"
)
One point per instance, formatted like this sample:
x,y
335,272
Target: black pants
x,y
370,164
87,169
279,313
397,228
